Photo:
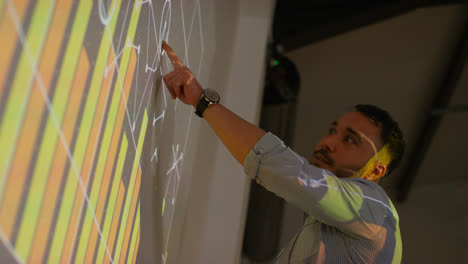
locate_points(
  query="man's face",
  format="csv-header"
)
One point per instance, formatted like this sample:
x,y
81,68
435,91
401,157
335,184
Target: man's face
x,y
348,145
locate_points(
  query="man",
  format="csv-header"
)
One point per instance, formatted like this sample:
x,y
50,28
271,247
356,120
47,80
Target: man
x,y
350,218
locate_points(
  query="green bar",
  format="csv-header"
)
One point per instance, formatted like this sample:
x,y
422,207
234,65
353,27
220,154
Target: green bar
x,y
68,197
49,140
106,139
136,228
96,185
112,114
112,200
136,164
1,9
22,84
48,144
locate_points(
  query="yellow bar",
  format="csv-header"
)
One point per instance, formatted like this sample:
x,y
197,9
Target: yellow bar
x,y
135,168
9,35
105,142
137,247
113,199
1,14
20,91
135,236
133,209
37,190
56,177
86,126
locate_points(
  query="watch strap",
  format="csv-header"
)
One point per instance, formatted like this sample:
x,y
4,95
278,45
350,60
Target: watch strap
x,y
202,105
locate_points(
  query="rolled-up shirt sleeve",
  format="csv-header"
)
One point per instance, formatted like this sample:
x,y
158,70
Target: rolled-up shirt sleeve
x,y
355,206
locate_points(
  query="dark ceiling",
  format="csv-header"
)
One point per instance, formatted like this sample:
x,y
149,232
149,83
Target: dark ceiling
x,y
300,23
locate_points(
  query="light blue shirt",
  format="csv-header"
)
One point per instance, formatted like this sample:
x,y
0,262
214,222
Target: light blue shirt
x,y
349,220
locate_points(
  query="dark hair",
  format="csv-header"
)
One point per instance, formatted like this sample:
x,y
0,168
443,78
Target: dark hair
x,y
391,134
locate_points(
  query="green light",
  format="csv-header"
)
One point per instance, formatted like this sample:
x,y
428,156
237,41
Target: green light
x,y
275,62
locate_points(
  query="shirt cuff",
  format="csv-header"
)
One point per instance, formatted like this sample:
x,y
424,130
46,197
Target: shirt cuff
x,y
265,145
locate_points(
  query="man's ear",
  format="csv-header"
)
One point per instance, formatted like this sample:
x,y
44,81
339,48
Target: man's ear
x,y
377,173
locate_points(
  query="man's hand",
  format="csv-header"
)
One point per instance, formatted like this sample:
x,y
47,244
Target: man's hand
x,y
238,135
180,82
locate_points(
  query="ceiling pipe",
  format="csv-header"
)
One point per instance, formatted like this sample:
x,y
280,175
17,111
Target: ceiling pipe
x,y
434,115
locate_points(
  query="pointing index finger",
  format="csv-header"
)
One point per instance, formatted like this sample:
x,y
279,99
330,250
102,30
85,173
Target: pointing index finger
x,y
172,56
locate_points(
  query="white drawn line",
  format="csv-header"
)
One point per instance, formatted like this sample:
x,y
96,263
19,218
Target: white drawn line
x,y
163,84
191,26
10,246
148,38
144,2
155,155
123,23
201,28
186,58
149,100
134,46
154,26
48,103
11,9
159,117
174,166
146,87
93,156
148,68
174,155
119,78
105,20
114,62
165,16
174,193
201,40
136,85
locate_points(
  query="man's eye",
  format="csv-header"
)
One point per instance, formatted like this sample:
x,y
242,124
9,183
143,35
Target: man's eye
x,y
331,131
349,140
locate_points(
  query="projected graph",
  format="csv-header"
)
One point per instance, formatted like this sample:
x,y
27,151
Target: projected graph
x,y
77,102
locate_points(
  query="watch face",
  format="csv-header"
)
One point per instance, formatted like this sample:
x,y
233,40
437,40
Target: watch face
x,y
212,95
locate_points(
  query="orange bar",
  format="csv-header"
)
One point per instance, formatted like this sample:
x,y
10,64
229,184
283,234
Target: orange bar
x,y
60,158
9,37
94,134
136,246
111,157
121,113
32,121
91,245
74,219
88,163
115,220
128,230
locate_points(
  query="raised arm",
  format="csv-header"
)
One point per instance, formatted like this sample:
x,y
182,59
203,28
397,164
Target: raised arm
x,y
238,135
353,206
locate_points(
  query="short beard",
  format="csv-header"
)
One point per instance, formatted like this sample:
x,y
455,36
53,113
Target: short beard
x,y
330,162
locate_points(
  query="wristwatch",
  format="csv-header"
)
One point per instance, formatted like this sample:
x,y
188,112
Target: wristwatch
x,y
208,98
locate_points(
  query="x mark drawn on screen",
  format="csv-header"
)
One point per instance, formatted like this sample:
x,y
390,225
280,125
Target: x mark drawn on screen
x,y
106,14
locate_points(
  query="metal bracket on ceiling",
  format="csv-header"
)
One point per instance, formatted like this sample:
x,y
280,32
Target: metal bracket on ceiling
x,y
440,105
450,109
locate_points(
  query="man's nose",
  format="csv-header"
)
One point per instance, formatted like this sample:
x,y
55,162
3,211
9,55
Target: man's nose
x,y
330,142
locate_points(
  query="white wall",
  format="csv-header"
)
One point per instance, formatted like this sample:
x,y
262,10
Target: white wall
x,y
434,224
215,216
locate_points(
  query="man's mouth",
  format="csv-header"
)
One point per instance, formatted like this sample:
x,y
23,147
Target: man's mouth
x,y
319,155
